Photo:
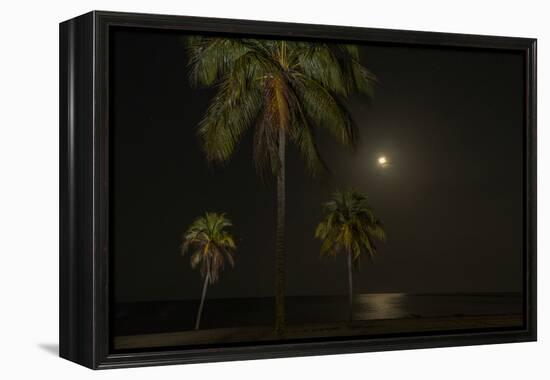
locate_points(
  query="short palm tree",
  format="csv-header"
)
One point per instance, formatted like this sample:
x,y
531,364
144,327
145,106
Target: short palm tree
x,y
349,227
210,244
284,89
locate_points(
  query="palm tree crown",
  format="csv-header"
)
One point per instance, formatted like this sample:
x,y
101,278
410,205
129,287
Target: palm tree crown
x,y
211,244
289,85
349,226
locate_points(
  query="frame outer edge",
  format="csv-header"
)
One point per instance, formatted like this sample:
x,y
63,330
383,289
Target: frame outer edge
x,y
65,327
84,180
531,181
76,275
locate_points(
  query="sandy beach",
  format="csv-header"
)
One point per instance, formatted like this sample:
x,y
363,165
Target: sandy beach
x,y
333,329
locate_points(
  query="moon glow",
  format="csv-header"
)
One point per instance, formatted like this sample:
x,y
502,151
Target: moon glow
x,y
383,161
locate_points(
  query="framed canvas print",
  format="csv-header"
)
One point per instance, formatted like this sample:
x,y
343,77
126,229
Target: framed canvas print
x,y
238,189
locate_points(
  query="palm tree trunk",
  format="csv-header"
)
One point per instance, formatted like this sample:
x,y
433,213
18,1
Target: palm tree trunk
x,y
204,287
350,285
280,241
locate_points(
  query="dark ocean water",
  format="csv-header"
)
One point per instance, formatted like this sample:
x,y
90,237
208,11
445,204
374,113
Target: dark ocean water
x,y
166,316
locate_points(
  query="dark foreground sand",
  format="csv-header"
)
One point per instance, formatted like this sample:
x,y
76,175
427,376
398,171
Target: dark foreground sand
x,y
333,329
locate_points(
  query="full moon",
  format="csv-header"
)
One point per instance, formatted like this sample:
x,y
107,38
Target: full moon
x,y
382,161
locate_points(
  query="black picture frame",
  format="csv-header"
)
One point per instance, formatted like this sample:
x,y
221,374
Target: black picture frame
x,y
85,179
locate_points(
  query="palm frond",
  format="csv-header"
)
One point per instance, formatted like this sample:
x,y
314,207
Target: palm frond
x,y
318,62
226,119
210,58
322,107
303,136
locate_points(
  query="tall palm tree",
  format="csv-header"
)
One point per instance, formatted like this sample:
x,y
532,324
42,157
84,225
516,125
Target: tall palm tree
x,y
349,227
211,244
284,89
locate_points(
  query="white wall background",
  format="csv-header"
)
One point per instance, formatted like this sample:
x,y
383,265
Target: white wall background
x,y
29,187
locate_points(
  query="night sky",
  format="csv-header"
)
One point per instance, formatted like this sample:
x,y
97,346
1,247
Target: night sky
x,y
448,120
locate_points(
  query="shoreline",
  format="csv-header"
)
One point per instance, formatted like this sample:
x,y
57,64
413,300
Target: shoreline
x,y
317,330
